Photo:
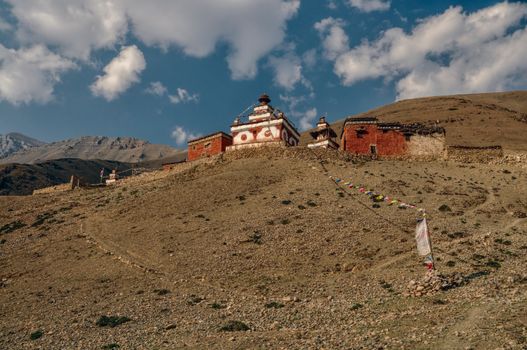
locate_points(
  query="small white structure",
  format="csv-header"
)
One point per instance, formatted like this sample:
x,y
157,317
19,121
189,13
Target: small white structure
x,y
323,135
265,127
112,178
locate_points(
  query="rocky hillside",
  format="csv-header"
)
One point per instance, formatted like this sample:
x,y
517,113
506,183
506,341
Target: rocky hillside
x,y
14,142
265,251
22,179
122,149
469,120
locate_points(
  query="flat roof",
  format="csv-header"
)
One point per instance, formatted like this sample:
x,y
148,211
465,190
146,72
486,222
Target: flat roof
x,y
202,138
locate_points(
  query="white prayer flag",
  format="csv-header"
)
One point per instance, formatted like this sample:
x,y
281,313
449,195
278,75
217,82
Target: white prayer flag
x,y
422,238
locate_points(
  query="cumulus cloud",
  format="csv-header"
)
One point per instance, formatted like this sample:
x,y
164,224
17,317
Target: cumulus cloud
x,y
298,110
183,96
453,52
121,73
287,70
76,27
335,41
181,136
30,74
306,121
370,5
156,88
250,28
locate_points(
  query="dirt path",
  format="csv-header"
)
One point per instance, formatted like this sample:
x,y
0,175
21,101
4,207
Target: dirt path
x,y
473,319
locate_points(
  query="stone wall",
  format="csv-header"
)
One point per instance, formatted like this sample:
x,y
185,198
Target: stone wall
x,y
427,146
468,154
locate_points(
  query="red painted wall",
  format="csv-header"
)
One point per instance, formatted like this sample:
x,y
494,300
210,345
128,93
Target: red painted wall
x,y
217,145
389,143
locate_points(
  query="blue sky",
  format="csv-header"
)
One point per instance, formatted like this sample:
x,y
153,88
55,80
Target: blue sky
x,y
167,70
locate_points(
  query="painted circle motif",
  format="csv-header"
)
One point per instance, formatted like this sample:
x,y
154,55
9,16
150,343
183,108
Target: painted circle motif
x,y
244,137
284,135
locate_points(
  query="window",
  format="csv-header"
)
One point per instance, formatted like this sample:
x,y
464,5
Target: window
x,y
207,145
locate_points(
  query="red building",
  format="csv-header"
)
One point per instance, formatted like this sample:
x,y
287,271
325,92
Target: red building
x,y
368,136
209,145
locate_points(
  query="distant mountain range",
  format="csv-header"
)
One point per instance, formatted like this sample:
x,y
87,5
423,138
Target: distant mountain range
x,y
14,142
17,148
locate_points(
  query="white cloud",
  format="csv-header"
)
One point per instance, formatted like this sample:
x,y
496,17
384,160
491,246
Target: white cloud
x,y
287,70
370,5
156,88
306,121
335,41
76,27
181,136
250,28
332,4
298,110
30,74
453,52
309,58
183,96
121,73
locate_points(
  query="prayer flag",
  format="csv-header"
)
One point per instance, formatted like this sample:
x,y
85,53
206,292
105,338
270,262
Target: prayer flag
x,y
424,247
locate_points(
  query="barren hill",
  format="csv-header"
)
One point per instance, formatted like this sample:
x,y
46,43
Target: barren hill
x,y
469,120
122,149
264,250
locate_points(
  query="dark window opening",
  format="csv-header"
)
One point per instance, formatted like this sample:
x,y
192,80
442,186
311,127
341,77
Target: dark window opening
x,y
373,149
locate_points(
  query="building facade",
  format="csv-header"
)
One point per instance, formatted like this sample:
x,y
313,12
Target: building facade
x,y
324,136
208,146
368,136
265,127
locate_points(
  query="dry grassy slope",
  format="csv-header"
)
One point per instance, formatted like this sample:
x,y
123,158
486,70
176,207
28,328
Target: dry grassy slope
x,y
472,120
243,233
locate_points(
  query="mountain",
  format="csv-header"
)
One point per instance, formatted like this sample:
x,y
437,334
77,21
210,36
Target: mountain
x,y
15,142
22,179
122,149
469,120
265,241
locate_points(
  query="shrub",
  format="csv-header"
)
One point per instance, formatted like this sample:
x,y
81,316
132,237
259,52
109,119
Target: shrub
x,y
36,335
194,300
12,226
234,326
217,306
493,263
356,306
255,238
444,208
161,291
274,305
111,321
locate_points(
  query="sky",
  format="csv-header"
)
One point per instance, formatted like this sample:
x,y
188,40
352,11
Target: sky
x,y
170,70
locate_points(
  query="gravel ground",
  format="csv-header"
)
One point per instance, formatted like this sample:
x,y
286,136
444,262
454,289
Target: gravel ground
x,y
265,251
